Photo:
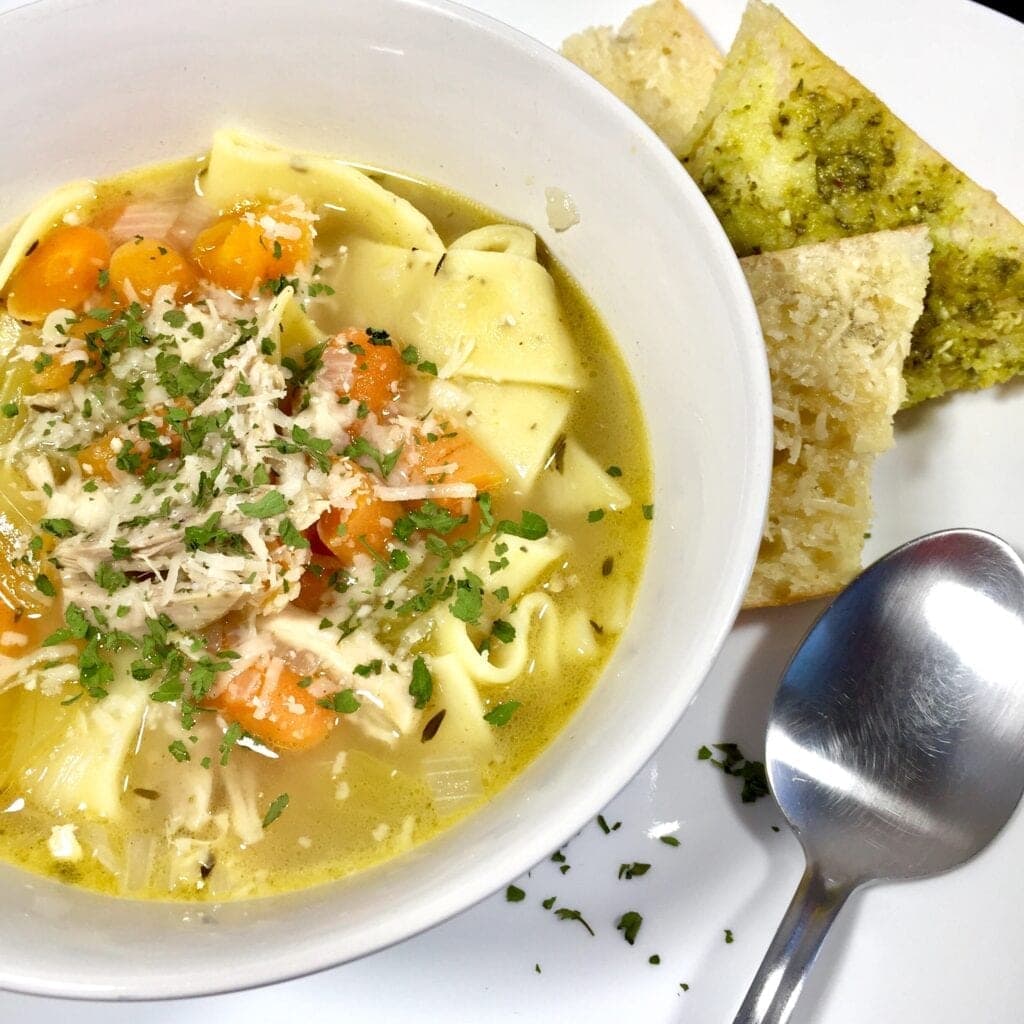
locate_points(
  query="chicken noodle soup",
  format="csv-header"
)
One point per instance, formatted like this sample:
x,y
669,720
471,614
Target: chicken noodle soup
x,y
323,499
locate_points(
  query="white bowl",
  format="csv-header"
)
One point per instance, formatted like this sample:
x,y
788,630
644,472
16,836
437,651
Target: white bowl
x,y
91,87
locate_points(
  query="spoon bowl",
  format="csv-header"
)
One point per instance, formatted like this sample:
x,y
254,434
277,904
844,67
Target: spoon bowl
x,y
895,744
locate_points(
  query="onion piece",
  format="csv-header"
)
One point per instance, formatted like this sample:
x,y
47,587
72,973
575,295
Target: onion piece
x,y
454,783
148,220
139,853
191,219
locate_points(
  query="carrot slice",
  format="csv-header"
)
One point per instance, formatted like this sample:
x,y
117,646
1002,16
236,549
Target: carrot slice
x,y
293,241
316,581
60,273
138,268
267,701
377,373
230,254
27,615
99,457
454,457
238,252
350,531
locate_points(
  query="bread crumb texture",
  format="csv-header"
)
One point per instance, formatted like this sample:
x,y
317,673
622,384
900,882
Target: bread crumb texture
x,y
791,149
837,319
661,63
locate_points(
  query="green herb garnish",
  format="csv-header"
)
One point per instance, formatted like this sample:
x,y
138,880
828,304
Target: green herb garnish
x,y
732,762
273,503
629,925
343,703
275,810
502,714
421,688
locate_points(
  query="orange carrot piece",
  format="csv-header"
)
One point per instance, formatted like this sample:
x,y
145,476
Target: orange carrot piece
x,y
98,457
139,267
287,253
268,703
377,372
60,273
27,615
230,254
237,253
348,532
456,458
316,581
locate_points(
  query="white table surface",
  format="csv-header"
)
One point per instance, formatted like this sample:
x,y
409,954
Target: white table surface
x,y
943,951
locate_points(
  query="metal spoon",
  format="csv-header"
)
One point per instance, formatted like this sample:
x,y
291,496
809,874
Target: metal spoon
x,y
896,741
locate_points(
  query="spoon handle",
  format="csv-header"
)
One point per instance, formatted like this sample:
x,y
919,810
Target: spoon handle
x,y
776,986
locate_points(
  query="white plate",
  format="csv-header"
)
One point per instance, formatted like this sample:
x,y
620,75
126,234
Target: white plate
x,y
940,952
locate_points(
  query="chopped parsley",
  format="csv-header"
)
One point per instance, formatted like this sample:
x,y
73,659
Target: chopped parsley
x,y
109,578
429,516
634,870
733,762
469,598
181,380
291,535
503,631
343,703
513,894
502,714
360,448
421,688
275,810
58,527
613,471
179,751
231,736
530,526
595,515
648,511
669,840
629,924
316,448
566,914
45,586
273,503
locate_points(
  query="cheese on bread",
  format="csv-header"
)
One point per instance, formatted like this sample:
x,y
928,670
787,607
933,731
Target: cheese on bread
x,y
661,63
837,320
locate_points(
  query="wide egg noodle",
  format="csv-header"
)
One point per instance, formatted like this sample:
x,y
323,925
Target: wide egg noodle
x,y
578,484
479,313
535,621
528,561
69,201
534,618
242,166
463,730
519,424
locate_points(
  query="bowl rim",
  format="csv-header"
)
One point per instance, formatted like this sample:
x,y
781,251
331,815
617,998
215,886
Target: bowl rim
x,y
595,793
